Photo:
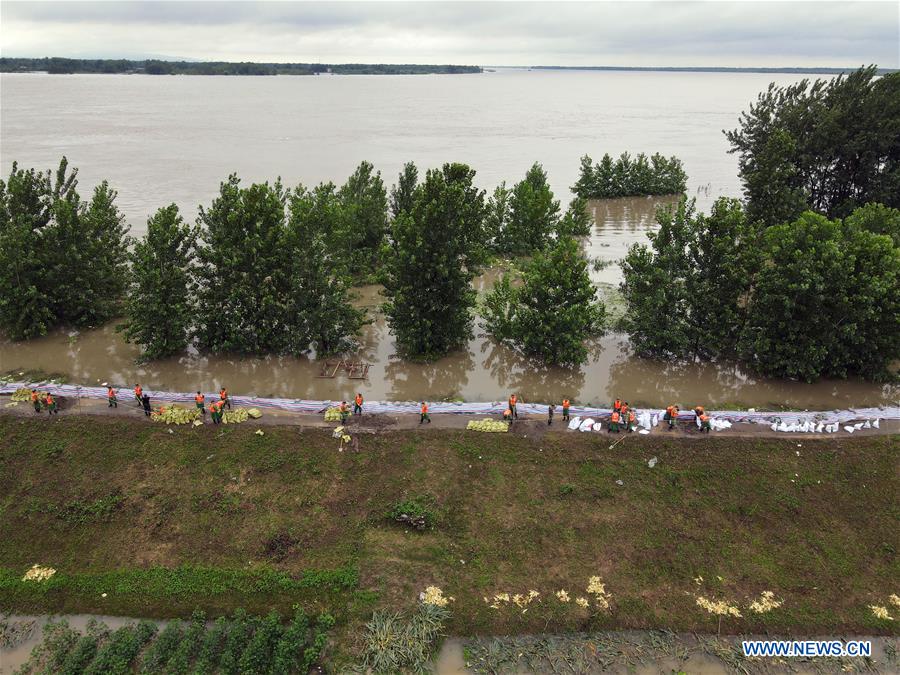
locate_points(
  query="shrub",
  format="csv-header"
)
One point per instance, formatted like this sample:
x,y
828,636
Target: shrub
x,y
416,512
395,642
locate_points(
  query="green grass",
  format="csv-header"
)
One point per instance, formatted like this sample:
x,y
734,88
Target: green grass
x,y
166,523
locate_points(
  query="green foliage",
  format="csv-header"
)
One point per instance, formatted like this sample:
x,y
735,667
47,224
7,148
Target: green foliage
x,y
577,221
65,259
419,511
161,299
49,656
319,311
84,650
878,219
403,193
211,649
436,250
161,650
241,270
181,658
364,225
496,216
123,646
830,146
257,657
395,643
553,312
533,215
627,177
686,295
826,302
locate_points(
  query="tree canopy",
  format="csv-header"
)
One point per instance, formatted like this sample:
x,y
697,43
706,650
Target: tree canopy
x,y
630,177
829,146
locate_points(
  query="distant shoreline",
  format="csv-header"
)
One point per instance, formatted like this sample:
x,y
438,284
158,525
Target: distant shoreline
x,y
711,69
60,66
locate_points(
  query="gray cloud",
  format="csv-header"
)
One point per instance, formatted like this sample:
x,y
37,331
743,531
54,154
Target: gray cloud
x,y
487,33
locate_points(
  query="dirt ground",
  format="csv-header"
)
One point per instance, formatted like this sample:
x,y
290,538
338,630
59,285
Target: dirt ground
x,y
526,425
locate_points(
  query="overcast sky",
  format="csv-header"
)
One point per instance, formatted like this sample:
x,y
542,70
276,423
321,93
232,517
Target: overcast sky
x,y
480,33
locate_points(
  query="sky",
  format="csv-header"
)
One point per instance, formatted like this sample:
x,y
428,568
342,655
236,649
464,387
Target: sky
x,y
743,34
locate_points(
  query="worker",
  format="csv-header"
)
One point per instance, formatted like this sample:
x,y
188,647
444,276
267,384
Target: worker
x,y
550,410
704,423
139,394
199,400
698,412
617,406
512,406
51,404
223,397
423,413
613,422
214,413
36,400
357,404
345,412
565,410
669,416
220,408
631,422
674,416
624,411
111,398
145,401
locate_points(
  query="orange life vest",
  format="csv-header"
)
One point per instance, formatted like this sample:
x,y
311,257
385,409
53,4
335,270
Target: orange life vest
x,y
512,399
631,417
671,411
565,403
223,394
200,398
212,408
617,405
138,391
49,399
110,393
359,399
614,417
704,417
424,408
34,397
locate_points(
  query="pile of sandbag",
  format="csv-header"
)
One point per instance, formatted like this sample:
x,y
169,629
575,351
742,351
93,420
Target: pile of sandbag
x,y
487,426
175,414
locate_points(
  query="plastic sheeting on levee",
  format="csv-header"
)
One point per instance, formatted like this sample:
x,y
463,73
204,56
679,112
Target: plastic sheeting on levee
x,y
474,408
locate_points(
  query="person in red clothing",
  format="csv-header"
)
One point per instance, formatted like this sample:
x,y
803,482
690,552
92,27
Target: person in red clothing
x,y
111,398
357,404
223,397
423,413
565,410
512,406
36,400
200,400
139,395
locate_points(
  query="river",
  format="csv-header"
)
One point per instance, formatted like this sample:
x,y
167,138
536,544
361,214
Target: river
x,y
164,139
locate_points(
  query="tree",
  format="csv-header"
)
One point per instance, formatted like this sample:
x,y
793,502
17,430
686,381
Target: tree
x,y
627,177
533,215
319,313
436,250
826,303
364,200
161,301
577,221
687,296
554,311
66,259
496,215
403,193
241,270
829,146
877,218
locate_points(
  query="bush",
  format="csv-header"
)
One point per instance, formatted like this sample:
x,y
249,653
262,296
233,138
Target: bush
x,y
416,512
627,177
395,642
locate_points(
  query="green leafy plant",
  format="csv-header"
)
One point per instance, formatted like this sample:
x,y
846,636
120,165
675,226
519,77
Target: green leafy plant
x,y
630,177
396,643
416,512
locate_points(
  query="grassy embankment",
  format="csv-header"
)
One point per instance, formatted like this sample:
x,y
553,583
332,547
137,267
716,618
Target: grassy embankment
x,y
224,518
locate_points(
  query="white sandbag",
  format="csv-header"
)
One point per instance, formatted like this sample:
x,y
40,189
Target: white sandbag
x,y
574,423
867,425
654,421
876,424
820,427
774,426
586,425
643,431
782,427
597,426
858,426
849,429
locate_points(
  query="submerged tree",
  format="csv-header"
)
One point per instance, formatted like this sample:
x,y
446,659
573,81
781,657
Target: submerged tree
x,y
496,215
436,250
830,146
241,270
365,224
320,315
827,302
630,177
161,299
533,215
577,221
66,259
686,294
553,312
403,193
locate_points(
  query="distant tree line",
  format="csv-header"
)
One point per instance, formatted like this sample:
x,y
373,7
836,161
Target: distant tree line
x,y
267,269
630,177
56,65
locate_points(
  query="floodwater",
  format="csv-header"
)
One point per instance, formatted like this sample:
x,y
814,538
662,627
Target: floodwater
x,y
164,139
174,139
